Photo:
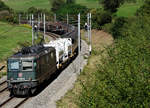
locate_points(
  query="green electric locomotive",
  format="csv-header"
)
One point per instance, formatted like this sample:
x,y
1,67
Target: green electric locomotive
x,y
29,68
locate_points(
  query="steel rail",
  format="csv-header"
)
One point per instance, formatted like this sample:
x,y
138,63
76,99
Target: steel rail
x,y
3,82
3,89
52,35
5,102
2,68
21,103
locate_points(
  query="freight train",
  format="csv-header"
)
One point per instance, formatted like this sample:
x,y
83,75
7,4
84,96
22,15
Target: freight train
x,y
31,66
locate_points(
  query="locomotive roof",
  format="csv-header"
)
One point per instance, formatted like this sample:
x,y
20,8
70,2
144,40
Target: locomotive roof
x,y
32,51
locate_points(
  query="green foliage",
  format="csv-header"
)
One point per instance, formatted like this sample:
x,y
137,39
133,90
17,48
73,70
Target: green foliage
x,y
70,1
122,80
23,5
56,4
72,10
36,11
32,10
111,5
145,9
131,1
7,14
100,17
118,27
3,6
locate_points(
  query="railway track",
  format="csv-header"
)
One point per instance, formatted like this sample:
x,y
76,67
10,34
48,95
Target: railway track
x,y
9,102
1,68
6,101
21,103
13,102
3,86
54,36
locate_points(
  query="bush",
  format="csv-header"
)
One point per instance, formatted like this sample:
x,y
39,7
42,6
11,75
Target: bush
x,y
3,6
72,10
100,18
118,27
145,9
56,4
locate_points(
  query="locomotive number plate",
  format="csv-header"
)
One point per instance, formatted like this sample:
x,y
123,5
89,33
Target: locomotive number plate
x,y
20,79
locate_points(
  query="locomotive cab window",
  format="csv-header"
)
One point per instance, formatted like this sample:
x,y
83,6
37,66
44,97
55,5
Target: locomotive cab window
x,y
14,65
27,65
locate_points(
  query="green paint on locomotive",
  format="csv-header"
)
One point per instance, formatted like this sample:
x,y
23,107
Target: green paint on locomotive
x,y
25,71
17,72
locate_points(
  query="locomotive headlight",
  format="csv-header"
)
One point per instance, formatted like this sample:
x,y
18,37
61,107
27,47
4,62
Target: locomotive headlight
x,y
11,79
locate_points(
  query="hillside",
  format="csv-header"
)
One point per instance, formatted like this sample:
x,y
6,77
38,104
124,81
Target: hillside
x,y
11,36
128,9
119,76
23,5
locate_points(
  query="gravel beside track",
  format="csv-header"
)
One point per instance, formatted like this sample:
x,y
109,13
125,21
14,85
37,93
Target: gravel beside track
x,y
3,86
64,82
4,78
4,96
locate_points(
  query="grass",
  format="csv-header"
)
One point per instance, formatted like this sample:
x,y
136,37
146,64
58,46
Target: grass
x,y
10,38
89,3
100,41
129,9
23,5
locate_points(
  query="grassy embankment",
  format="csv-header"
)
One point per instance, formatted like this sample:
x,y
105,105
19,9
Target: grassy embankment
x,y
11,36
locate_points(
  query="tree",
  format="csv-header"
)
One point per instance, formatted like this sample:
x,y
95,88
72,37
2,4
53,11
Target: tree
x,y
3,6
56,4
70,1
111,5
145,9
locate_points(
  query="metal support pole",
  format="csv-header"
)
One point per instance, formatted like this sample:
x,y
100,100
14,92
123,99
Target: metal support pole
x,y
44,27
38,22
79,40
90,47
32,29
54,18
67,19
41,17
30,19
27,18
88,24
19,18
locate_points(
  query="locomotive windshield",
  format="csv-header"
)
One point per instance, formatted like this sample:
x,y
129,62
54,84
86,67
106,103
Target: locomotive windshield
x,y
14,65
